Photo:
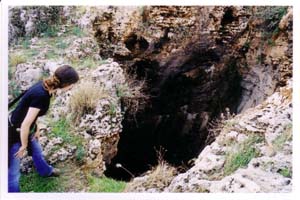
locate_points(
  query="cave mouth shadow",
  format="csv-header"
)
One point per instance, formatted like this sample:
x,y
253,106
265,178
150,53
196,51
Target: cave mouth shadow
x,y
173,122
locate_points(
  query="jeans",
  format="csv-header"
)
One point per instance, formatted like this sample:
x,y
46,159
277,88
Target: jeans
x,y
39,162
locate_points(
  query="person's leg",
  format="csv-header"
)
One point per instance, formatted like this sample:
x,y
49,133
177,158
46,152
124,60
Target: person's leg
x,y
14,169
42,167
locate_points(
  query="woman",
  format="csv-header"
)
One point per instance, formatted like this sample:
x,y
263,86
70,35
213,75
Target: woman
x,y
23,133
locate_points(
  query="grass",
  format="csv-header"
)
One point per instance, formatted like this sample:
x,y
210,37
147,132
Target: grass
x,y
241,154
32,182
159,177
62,128
105,184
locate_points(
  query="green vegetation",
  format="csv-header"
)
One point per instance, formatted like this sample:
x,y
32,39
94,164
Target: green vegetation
x,y
32,182
285,172
105,184
62,128
241,154
80,154
77,31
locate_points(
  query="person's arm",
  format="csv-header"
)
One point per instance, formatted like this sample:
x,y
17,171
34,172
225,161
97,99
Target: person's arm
x,y
25,130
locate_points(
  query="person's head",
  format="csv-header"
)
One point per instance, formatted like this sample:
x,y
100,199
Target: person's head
x,y
63,77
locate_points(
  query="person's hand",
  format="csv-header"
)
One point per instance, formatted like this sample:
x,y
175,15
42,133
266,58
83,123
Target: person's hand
x,y
21,152
37,135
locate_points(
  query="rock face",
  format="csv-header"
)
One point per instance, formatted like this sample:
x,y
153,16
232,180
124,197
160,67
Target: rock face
x,y
273,121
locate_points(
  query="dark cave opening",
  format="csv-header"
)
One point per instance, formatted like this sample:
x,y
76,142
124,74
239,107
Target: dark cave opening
x,y
175,120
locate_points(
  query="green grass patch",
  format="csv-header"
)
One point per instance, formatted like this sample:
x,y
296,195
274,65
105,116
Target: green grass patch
x,y
62,128
32,182
105,184
241,154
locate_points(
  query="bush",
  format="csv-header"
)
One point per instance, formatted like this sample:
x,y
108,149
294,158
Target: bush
x,y
84,99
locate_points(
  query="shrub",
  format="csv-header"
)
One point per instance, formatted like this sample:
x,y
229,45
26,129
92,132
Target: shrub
x,y
84,99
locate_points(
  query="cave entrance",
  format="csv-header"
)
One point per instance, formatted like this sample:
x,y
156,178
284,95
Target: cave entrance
x,y
175,118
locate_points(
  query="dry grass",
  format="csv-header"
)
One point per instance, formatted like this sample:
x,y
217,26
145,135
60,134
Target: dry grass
x,y
159,177
84,99
132,94
15,59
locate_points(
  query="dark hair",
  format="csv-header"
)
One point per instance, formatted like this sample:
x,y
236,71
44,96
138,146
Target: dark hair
x,y
63,76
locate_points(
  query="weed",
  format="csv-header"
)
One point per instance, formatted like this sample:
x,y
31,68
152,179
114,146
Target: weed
x,y
105,184
241,155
